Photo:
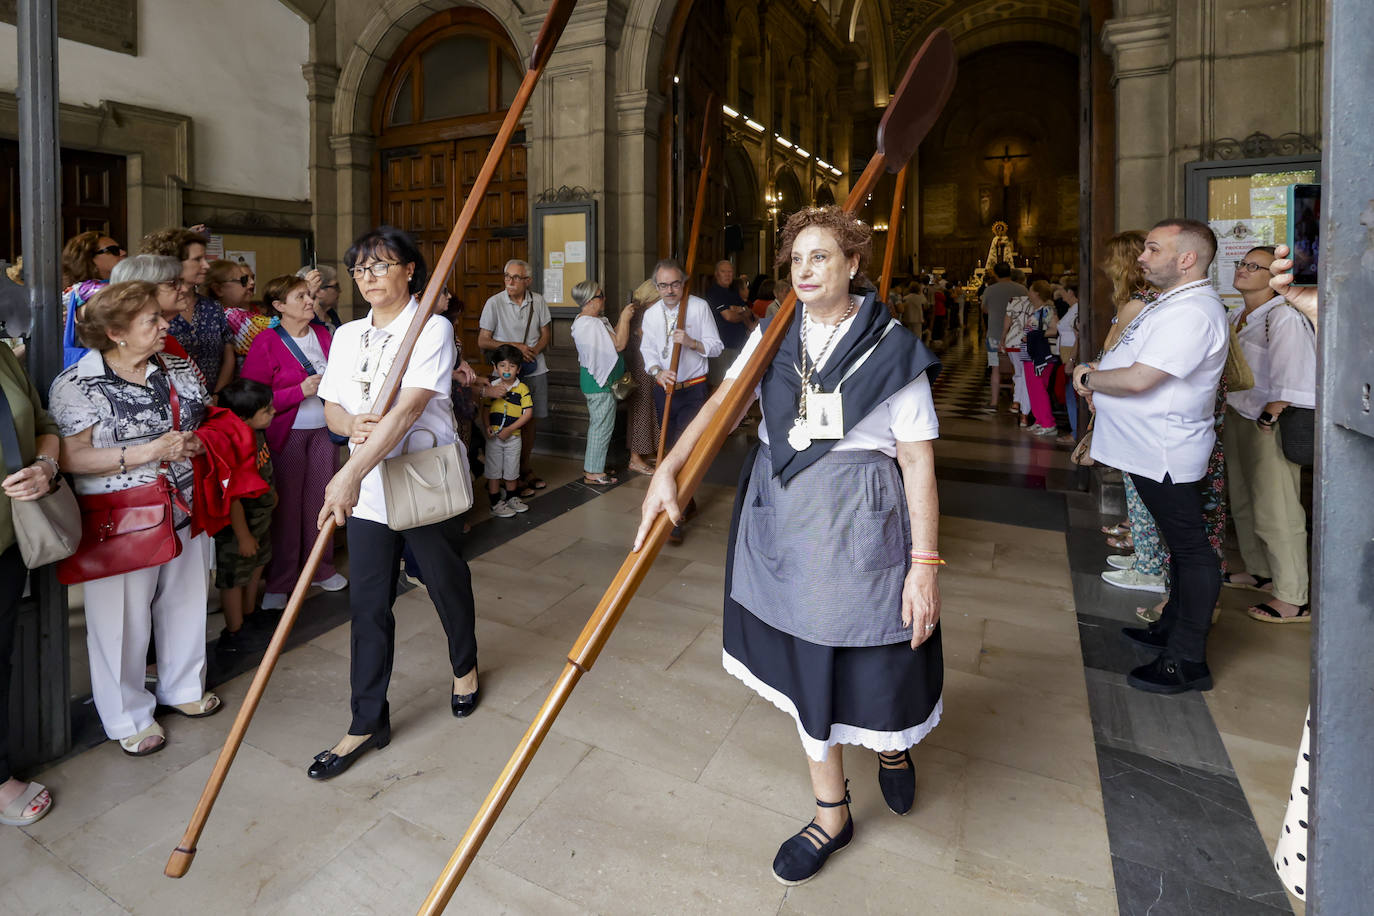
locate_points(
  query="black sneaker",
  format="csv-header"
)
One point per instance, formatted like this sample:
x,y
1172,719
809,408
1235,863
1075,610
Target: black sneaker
x,y
1167,674
263,621
241,641
1152,637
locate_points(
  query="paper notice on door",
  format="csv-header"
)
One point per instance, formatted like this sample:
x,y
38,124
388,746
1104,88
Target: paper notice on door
x,y
576,252
555,259
553,284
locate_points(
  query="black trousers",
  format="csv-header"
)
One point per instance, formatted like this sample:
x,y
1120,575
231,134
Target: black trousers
x,y
686,404
374,555
1193,567
12,577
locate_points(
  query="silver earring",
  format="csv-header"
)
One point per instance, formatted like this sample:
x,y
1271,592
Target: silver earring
x,y
122,342
852,274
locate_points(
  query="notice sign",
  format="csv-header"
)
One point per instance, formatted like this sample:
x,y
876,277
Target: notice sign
x,y
1234,238
576,252
555,259
553,285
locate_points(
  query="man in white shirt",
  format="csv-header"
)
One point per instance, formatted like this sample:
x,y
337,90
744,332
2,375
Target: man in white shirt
x,y
1068,351
520,318
1155,395
1265,487
699,339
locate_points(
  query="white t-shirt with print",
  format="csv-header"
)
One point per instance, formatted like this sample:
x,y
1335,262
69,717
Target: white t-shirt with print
x,y
1169,429
430,367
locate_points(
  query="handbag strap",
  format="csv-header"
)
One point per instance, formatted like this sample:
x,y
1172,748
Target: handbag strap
x,y
295,349
9,436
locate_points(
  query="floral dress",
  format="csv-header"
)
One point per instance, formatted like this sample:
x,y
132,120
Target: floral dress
x,y
204,337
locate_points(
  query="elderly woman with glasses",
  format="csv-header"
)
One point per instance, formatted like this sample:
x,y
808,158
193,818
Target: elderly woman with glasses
x,y
87,260
598,353
173,293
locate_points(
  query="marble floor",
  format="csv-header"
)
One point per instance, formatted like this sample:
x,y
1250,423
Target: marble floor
x,y
666,785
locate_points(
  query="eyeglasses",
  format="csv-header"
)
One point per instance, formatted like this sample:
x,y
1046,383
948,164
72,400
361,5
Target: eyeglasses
x,y
599,295
1250,266
665,287
376,268
512,278
108,249
178,283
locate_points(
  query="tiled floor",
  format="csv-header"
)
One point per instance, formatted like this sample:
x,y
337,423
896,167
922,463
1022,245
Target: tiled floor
x,y
665,785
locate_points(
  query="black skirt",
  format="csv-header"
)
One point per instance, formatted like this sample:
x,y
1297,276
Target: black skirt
x,y
886,698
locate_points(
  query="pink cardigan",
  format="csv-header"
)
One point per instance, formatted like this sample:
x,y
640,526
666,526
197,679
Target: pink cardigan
x,y
270,362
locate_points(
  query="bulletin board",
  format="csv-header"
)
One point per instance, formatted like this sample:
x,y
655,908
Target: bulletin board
x,y
268,255
563,249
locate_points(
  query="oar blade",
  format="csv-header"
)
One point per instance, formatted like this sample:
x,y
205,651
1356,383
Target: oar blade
x,y
919,99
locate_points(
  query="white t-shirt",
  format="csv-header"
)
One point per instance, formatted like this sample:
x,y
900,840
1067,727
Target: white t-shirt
x,y
1168,430
1281,349
310,413
1068,332
430,367
906,416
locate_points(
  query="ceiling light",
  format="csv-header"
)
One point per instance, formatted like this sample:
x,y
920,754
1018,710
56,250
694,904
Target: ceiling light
x,y
755,125
783,141
837,172
730,111
803,153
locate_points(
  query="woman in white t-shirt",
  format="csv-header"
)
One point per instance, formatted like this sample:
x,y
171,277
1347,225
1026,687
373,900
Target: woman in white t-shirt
x,y
389,270
833,605
290,357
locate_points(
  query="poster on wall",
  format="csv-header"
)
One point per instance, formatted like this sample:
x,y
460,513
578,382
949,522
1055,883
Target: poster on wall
x,y
555,259
553,285
1234,238
577,252
215,250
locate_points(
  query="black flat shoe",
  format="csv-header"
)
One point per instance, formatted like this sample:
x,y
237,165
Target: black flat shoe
x,y
799,859
1152,637
464,703
897,781
1171,675
328,764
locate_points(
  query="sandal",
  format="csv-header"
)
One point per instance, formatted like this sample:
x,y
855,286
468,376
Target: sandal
x,y
1266,614
605,480
642,469
32,805
1124,543
207,705
133,745
800,858
1116,531
1260,584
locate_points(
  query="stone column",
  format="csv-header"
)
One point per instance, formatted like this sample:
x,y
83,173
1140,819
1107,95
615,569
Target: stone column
x,y
321,81
1143,53
353,157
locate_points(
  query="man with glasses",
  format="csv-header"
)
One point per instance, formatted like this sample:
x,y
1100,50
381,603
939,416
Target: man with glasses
x,y
520,318
700,341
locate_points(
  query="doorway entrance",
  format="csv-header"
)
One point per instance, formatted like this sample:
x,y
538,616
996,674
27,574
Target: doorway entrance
x,y
94,191
445,93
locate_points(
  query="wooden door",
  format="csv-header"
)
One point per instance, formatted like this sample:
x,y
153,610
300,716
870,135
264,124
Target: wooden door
x,y
93,196
424,188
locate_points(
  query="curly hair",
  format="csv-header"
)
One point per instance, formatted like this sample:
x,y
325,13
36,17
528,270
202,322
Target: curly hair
x,y
174,243
114,309
1122,267
78,258
853,235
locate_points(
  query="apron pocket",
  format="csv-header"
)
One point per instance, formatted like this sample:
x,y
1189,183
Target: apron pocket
x,y
877,540
758,535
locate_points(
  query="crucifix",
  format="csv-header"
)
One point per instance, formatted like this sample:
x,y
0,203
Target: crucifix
x,y
1007,166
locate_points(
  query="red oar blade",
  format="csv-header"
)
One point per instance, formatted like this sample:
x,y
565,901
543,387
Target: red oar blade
x,y
554,21
918,101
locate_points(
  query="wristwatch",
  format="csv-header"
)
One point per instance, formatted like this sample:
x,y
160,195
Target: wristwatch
x,y
1087,375
654,371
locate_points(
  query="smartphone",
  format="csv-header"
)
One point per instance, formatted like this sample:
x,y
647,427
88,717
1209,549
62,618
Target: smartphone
x,y
1304,231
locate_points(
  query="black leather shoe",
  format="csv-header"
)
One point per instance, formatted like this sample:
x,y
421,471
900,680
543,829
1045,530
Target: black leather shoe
x,y
1152,637
1167,674
328,764
464,703
799,859
897,780
675,536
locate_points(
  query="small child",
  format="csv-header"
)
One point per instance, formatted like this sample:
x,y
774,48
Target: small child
x,y
510,409
244,548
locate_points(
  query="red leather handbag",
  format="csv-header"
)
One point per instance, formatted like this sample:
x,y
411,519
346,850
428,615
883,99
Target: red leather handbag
x,y
128,529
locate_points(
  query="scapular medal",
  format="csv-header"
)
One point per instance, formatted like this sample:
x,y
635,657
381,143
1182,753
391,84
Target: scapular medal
x,y
797,436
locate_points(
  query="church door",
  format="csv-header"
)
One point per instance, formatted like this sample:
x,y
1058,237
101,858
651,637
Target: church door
x,y
444,95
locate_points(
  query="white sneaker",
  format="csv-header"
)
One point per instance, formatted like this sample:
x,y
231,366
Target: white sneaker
x,y
1137,581
503,509
517,504
1121,561
274,601
1038,430
334,583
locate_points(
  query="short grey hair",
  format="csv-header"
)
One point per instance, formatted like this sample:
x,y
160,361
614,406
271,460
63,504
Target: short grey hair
x,y
146,268
583,292
328,274
524,264
669,264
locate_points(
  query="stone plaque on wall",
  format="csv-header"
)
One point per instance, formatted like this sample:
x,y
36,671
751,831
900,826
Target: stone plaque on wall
x,y
108,24
938,204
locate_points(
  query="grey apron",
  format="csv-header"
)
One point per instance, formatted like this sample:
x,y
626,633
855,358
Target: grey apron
x,y
825,557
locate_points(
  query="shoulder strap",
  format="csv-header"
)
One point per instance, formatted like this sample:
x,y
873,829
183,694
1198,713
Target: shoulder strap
x,y
296,351
172,396
9,436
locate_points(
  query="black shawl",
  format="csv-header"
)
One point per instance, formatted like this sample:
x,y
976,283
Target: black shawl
x,y
899,358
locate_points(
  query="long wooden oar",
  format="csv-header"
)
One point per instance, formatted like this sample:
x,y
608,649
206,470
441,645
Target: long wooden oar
x,y
893,233
698,210
180,861
909,116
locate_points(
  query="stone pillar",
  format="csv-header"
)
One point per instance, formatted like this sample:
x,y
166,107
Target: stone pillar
x,y
638,113
353,160
321,81
1143,54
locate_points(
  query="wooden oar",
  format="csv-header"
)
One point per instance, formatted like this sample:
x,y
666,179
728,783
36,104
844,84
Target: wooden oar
x,y
180,861
909,116
893,233
693,236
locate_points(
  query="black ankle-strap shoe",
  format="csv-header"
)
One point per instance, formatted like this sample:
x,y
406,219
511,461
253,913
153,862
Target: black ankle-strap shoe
x,y
897,780
1167,674
800,858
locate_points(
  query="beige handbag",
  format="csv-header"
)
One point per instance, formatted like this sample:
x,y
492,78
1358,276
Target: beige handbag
x,y
46,529
428,487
